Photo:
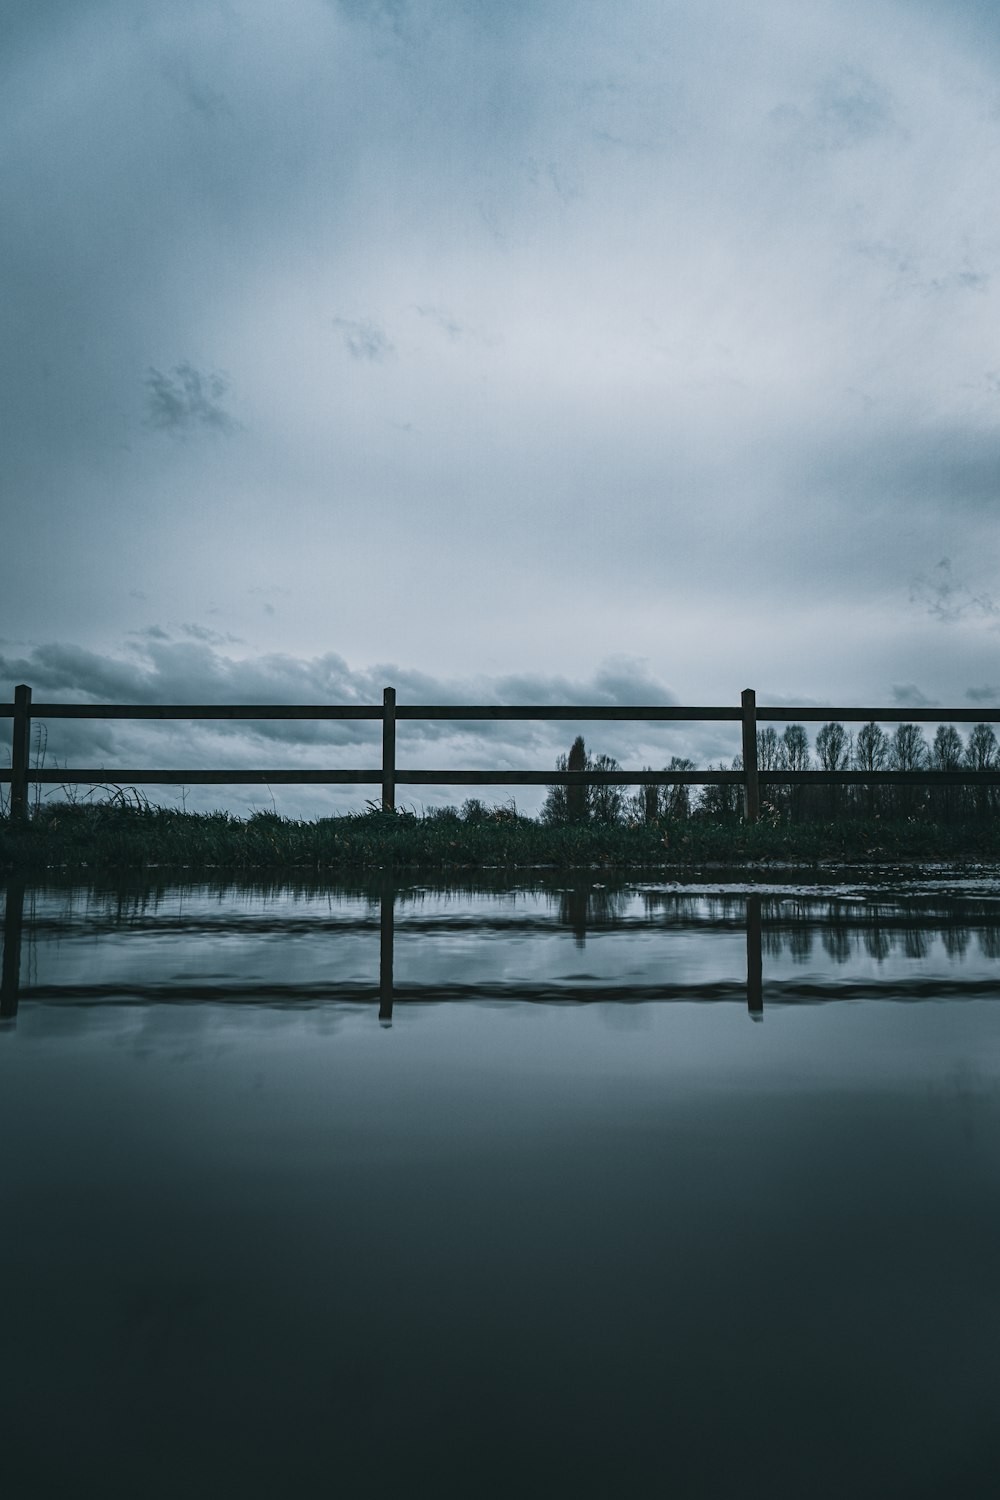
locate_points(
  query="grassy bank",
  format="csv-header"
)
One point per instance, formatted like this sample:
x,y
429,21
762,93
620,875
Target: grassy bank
x,y
104,837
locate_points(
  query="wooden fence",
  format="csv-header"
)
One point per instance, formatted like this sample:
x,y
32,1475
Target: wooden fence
x,y
23,711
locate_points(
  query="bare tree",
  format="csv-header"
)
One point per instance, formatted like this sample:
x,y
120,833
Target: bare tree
x,y
833,746
871,750
908,751
981,755
607,803
946,755
768,749
794,756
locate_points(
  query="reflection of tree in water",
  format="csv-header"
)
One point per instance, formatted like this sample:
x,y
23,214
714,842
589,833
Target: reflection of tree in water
x,y
989,942
916,942
877,922
880,928
878,943
772,941
838,943
800,944
583,905
956,941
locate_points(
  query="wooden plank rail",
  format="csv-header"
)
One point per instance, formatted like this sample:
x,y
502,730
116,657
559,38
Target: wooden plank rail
x,y
23,710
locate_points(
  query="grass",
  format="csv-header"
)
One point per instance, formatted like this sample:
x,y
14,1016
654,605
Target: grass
x,y
124,837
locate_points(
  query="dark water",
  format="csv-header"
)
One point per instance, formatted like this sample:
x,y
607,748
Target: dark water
x,y
583,1191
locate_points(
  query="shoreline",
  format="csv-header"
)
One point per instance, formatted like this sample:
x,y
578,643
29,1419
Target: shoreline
x,y
106,839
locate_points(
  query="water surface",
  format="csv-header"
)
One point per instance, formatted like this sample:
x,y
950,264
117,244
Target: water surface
x,y
439,1191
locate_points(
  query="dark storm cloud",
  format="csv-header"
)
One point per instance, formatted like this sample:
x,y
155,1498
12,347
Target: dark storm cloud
x,y
162,669
187,399
988,693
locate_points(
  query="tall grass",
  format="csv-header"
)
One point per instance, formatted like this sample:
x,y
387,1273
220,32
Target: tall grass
x,y
141,836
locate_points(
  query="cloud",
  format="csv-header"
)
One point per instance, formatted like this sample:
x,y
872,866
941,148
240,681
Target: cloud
x,y
391,13
159,668
703,420
187,399
202,97
988,693
848,109
198,633
443,319
948,599
365,339
908,695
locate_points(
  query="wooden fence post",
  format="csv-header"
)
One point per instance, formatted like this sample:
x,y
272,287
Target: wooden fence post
x,y
389,749
751,786
19,753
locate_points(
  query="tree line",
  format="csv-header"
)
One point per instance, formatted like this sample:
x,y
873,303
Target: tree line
x,y
835,749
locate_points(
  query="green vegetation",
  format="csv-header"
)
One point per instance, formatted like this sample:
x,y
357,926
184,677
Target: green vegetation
x,y
105,836
580,826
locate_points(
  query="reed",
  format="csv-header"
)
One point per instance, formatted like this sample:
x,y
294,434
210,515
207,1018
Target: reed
x,y
126,836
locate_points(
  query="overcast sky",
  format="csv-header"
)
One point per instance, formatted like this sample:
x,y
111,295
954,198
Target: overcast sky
x,y
548,348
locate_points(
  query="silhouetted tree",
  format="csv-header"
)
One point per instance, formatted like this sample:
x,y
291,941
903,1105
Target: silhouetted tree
x,y
908,752
981,751
908,749
675,800
607,803
833,746
768,749
724,801
981,755
871,749
795,748
946,755
794,756
569,804
554,807
577,800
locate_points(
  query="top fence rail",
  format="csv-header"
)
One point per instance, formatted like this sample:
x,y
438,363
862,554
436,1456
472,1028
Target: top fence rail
x,y
23,711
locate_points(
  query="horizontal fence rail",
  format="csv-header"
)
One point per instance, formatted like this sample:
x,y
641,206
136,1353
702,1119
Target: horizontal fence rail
x,y
23,711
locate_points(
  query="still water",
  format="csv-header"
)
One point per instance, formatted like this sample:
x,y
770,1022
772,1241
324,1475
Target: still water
x,y
579,1190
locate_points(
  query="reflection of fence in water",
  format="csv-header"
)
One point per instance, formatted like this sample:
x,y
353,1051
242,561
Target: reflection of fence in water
x,y
774,924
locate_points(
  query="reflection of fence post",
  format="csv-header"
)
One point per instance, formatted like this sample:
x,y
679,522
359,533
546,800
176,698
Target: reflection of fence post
x,y
11,950
385,955
755,968
19,751
389,750
751,784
